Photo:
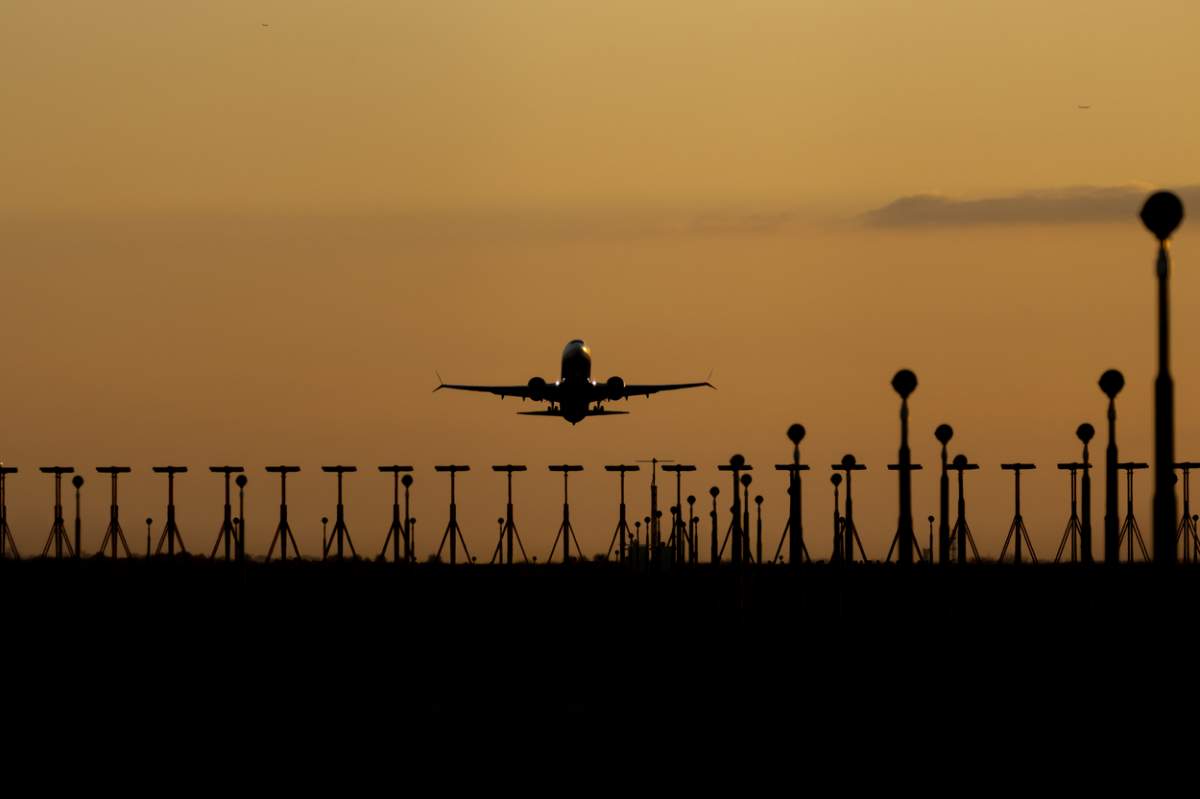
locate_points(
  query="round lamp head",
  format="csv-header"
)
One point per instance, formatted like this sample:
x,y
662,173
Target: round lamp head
x,y
849,460
758,500
77,481
658,514
1111,383
1085,432
943,434
836,479
241,481
691,500
737,461
960,460
931,520
149,521
406,480
324,520
1161,214
795,433
712,492
499,520
746,479
905,382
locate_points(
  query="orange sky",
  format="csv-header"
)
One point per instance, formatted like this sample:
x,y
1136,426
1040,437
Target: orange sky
x,y
230,243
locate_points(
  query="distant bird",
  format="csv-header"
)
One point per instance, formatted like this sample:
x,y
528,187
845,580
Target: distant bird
x,y
1083,107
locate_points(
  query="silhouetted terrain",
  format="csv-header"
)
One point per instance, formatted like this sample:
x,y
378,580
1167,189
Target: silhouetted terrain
x,y
824,650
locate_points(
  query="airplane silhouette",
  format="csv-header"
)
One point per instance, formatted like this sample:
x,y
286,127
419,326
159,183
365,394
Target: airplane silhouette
x,y
575,396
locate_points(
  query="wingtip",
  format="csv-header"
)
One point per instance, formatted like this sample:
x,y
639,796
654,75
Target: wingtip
x,y
441,382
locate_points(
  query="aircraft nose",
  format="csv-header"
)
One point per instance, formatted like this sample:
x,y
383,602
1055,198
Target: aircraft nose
x,y
576,348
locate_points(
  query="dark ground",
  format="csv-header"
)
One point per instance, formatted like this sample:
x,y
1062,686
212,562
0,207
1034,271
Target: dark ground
x,y
873,653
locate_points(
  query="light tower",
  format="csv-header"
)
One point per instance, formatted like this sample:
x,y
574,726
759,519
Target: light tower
x,y
1111,383
1161,215
904,383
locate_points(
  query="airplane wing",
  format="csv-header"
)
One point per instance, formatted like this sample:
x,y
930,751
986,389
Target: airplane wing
x,y
590,412
645,390
522,391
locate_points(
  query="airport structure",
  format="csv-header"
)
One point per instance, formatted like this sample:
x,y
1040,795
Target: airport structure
x,y
576,396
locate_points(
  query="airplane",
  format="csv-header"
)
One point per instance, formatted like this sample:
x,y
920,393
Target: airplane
x,y
575,395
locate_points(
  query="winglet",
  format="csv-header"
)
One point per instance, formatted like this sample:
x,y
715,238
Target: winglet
x,y
441,382
708,379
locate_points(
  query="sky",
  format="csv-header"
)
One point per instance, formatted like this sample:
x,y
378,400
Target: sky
x,y
251,233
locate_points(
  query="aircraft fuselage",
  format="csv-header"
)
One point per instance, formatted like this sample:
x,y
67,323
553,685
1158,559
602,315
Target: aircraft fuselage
x,y
575,381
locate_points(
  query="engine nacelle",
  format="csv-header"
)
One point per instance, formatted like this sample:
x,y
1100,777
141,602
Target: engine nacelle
x,y
537,389
615,388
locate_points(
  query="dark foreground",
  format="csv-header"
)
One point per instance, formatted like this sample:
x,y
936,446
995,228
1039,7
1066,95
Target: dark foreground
x,y
867,653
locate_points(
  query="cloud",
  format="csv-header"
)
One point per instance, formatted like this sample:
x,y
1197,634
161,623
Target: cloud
x,y
1077,204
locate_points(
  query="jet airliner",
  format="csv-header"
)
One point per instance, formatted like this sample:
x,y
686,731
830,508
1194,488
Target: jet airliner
x,y
575,395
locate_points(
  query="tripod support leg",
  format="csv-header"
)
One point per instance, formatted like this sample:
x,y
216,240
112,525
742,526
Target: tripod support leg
x,y
1029,544
578,548
787,528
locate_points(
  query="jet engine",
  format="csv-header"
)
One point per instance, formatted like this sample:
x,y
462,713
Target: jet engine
x,y
615,388
537,389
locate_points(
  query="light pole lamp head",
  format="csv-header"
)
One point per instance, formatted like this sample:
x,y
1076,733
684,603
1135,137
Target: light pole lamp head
x,y
849,461
959,461
1085,432
77,481
737,461
943,433
836,479
241,481
795,433
1111,383
324,520
149,521
931,519
746,479
904,383
406,480
1162,213
758,499
691,500
712,492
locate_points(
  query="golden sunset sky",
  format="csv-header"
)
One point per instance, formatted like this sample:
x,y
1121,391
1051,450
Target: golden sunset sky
x,y
250,232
